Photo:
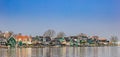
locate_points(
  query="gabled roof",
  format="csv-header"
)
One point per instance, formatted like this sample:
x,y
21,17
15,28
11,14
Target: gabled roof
x,y
102,39
22,37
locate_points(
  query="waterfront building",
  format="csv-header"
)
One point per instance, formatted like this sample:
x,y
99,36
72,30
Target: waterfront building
x,y
25,39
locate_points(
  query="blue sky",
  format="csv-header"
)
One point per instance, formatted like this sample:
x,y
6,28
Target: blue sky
x,y
93,17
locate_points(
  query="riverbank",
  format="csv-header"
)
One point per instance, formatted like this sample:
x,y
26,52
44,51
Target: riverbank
x,y
52,46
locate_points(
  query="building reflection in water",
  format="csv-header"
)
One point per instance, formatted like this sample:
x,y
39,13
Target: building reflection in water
x,y
91,51
50,52
23,52
11,52
95,52
61,52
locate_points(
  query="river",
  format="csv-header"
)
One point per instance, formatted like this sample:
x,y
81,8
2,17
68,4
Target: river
x,y
61,52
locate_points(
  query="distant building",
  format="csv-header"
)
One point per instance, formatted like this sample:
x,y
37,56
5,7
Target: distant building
x,y
2,41
25,39
2,38
103,41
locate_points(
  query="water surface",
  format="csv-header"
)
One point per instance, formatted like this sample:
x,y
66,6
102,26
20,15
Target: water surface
x,y
61,52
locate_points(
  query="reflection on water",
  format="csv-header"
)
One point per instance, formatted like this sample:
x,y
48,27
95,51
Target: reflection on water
x,y
61,52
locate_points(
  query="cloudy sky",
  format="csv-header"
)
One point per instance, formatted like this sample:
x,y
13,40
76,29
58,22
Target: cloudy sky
x,y
34,17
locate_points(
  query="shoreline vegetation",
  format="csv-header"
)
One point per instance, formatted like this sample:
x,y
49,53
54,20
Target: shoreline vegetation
x,y
49,40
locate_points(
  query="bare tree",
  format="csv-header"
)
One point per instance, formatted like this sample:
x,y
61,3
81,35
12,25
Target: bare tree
x,y
49,33
95,37
1,34
61,34
82,35
114,39
0,31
